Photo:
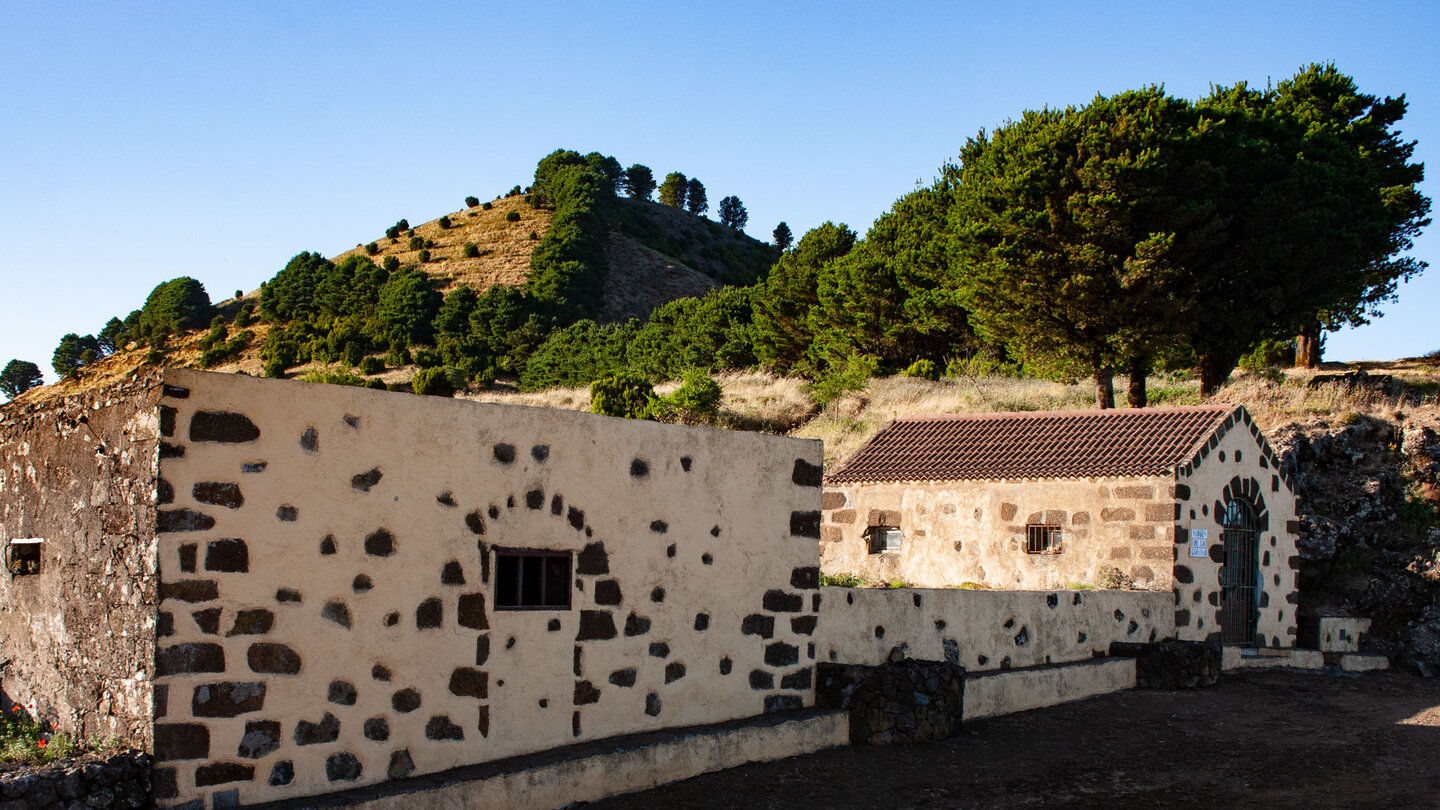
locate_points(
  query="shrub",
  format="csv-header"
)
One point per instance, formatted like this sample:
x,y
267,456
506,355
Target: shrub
x,y
274,367
391,264
514,192
245,316
471,250
428,358
695,402
843,581
1113,579
424,256
335,378
372,365
512,216
371,249
175,305
1267,354
429,243
377,384
444,223
416,243
397,356
924,369
354,352
486,206
434,382
534,235
626,394
471,202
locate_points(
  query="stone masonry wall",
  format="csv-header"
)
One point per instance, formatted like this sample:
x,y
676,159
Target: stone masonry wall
x,y
974,531
986,630
1236,463
116,781
328,579
78,638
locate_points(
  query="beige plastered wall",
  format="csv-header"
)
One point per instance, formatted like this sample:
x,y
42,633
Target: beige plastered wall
x,y
695,589
974,531
987,630
78,638
1237,463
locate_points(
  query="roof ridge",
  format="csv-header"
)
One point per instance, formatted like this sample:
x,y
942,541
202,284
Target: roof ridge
x,y
1219,407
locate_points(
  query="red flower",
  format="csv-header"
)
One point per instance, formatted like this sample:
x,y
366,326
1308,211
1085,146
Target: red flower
x,y
42,743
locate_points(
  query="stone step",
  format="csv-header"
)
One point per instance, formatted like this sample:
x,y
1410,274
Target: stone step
x,y
1267,658
991,694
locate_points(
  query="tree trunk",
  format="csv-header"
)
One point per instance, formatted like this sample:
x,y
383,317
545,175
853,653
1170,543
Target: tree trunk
x,y
1213,371
1137,396
1104,387
1307,346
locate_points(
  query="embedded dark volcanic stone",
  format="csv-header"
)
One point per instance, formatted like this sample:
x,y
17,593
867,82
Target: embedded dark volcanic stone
x,y
361,583
287,513
253,467
310,440
207,620
702,622
440,728
783,703
540,452
781,654
782,602
167,421
607,592
623,677
685,462
182,520
343,767
652,704
467,682
405,701
445,499
659,526
586,693
657,595
219,493
164,492
222,426
452,574
228,699
337,612
256,622
482,650
220,773
726,665
401,765
535,499
287,595
230,556
327,546
272,659
636,625
761,680
325,731
575,517
805,625
262,737
757,624
807,578
430,614
377,729
168,450
595,625
504,453
674,671
181,659
659,649
175,741
639,468
364,481
475,523
470,611
380,672
799,679
342,693
282,774
805,524
351,421
380,543
592,560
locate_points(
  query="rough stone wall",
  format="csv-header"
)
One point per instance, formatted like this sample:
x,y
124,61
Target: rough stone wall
x,y
1236,463
986,630
974,531
78,638
328,556
118,781
899,702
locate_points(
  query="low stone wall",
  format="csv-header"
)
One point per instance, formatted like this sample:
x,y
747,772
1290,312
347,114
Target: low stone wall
x,y
118,781
987,630
1172,664
991,694
901,701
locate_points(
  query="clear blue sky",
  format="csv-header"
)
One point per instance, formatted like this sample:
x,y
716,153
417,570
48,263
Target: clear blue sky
x,y
145,141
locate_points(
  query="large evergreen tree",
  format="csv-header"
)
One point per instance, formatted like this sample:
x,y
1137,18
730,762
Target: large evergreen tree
x,y
639,182
782,236
18,377
695,200
672,190
733,213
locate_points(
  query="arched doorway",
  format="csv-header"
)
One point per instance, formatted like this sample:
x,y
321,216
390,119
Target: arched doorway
x,y
1239,578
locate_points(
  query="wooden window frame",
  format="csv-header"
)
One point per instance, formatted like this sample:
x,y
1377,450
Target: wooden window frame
x,y
1042,538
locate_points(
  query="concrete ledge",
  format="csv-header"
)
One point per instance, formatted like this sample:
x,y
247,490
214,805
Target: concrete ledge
x,y
596,770
1362,662
1268,658
990,694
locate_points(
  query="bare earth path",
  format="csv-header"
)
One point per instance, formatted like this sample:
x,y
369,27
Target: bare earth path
x,y
1255,740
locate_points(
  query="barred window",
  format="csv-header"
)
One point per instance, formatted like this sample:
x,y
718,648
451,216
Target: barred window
x,y
885,538
530,579
1042,538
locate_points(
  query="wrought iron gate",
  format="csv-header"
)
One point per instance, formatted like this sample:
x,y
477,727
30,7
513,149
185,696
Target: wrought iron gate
x,y
1239,594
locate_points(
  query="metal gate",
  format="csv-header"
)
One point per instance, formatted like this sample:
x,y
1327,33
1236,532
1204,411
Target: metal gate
x,y
1239,594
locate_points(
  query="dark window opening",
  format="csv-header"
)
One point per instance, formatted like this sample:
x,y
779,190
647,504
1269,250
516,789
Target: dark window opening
x,y
885,538
22,557
1042,538
532,579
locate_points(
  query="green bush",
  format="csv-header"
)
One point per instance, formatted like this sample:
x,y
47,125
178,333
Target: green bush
x,y
428,358
245,316
486,206
434,382
398,355
626,395
695,402
424,256
390,264
534,235
417,242
372,365
1269,354
335,378
274,367
174,306
514,192
372,249
512,216
924,369
471,202
471,251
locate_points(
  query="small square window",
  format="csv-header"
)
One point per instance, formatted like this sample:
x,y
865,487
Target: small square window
x,y
885,538
22,556
532,579
1041,538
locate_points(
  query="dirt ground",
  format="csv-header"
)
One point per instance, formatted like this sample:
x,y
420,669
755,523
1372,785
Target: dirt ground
x,y
1256,740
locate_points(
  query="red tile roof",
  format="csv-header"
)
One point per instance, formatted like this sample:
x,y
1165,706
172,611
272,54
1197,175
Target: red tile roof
x,y
1037,444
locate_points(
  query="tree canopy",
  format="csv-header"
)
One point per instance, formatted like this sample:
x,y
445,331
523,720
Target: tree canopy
x,y
639,182
18,377
672,190
695,200
733,214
